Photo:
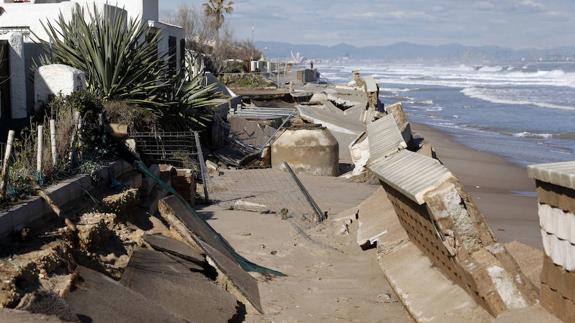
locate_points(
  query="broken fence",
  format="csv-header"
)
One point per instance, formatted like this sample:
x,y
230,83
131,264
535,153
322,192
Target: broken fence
x,y
180,149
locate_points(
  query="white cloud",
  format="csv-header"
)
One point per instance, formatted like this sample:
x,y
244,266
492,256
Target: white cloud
x,y
484,5
530,3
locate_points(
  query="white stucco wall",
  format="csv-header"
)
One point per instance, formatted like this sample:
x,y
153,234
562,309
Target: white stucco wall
x,y
17,76
50,80
32,15
27,18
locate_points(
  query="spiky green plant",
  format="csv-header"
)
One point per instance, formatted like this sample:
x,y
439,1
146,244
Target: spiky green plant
x,y
119,56
190,100
121,61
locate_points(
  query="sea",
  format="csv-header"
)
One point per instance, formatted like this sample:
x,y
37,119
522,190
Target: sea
x,y
523,112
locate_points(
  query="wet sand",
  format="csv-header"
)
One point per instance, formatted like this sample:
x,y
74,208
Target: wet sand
x,y
501,189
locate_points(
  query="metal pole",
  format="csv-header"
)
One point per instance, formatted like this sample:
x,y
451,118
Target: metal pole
x,y
314,206
202,167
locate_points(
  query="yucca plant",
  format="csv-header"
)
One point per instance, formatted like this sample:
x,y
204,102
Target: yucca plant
x,y
121,61
119,56
189,99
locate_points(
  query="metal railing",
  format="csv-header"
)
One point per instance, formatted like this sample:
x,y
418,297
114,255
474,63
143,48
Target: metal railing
x,y
179,149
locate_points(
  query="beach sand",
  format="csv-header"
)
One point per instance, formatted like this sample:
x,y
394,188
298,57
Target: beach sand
x,y
501,189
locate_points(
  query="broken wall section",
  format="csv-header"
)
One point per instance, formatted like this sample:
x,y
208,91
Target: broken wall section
x,y
441,219
556,192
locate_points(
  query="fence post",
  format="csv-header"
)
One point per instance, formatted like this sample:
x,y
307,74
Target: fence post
x,y
53,142
39,149
4,175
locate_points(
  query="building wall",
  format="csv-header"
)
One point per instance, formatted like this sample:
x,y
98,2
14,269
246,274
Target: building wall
x,y
27,18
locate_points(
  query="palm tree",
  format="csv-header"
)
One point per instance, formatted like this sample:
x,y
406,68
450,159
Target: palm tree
x,y
216,10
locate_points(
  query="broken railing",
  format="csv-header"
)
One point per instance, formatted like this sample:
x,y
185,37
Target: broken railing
x,y
442,220
179,149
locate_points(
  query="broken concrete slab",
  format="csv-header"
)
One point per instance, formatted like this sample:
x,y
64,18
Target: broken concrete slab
x,y
373,214
331,120
98,298
561,174
242,205
399,115
234,278
197,232
343,128
428,295
410,173
171,284
384,138
175,247
529,259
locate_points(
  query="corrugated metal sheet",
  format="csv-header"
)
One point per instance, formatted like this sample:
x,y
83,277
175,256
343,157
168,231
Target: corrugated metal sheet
x,y
331,120
410,173
385,138
263,113
562,174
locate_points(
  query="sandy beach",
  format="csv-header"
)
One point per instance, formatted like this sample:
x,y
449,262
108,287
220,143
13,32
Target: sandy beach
x,y
501,189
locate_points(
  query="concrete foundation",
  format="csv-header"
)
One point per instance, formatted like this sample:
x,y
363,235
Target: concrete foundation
x,y
312,151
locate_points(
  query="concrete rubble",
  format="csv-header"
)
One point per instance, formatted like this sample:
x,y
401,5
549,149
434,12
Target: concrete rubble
x,y
132,251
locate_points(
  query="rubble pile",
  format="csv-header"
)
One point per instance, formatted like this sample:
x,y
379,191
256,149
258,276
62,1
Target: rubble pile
x,y
119,256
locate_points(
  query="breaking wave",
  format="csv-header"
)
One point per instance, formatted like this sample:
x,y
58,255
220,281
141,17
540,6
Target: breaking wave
x,y
482,94
527,134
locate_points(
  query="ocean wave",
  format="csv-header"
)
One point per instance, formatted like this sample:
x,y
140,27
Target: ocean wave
x,y
395,90
490,69
527,134
478,93
424,102
434,109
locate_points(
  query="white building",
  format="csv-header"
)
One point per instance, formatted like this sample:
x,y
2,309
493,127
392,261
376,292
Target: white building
x,y
23,18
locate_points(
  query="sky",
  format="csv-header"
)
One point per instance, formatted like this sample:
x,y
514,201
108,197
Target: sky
x,y
506,23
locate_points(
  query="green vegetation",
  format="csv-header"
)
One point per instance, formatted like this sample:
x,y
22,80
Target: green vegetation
x,y
121,62
247,80
209,37
73,157
216,11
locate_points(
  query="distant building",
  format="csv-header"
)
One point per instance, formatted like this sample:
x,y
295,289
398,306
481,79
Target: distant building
x,y
23,18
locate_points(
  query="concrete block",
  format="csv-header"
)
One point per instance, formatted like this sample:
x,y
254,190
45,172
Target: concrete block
x,y
557,278
556,196
373,219
385,139
561,307
410,173
55,79
432,297
557,222
562,252
562,174
308,151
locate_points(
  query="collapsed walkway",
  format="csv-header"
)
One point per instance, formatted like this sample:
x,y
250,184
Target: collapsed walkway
x,y
329,278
